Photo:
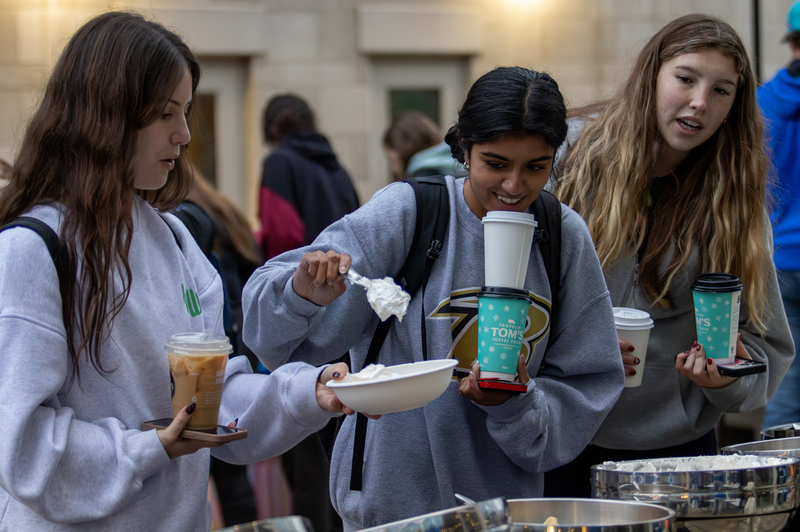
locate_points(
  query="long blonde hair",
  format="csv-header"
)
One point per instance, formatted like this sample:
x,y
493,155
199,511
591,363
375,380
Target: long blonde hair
x,y
716,201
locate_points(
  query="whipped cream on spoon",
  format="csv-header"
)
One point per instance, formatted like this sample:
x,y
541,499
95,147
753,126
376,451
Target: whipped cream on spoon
x,y
384,295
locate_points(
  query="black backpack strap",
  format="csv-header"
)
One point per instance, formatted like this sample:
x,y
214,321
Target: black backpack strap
x,y
547,211
55,247
433,215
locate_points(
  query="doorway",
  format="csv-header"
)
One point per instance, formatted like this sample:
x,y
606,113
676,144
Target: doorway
x,y
434,86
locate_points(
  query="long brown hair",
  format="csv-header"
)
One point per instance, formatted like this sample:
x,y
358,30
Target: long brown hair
x,y
716,202
225,211
114,77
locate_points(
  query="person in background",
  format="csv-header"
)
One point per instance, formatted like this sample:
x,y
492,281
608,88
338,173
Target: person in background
x,y
482,443
304,189
5,172
671,175
83,360
414,148
226,239
779,100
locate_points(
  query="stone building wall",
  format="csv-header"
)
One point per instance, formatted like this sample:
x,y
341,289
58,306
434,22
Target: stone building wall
x,y
334,52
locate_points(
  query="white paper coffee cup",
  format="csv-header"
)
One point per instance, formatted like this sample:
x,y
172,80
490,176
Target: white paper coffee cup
x,y
507,239
634,326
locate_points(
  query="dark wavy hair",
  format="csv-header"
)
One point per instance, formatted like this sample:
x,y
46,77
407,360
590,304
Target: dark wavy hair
x,y
114,77
285,114
509,101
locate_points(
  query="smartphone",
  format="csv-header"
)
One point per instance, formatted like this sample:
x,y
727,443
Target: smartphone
x,y
503,386
741,367
221,434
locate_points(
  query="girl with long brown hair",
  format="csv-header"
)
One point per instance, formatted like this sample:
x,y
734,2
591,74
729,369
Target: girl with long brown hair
x,y
670,175
83,360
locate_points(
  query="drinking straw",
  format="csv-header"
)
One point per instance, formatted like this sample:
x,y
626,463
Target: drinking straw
x,y
208,336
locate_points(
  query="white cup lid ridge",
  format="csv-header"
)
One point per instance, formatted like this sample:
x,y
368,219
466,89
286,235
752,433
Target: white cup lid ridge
x,y
632,319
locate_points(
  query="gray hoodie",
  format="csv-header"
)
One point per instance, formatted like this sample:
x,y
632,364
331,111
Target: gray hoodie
x,y
73,458
416,460
668,409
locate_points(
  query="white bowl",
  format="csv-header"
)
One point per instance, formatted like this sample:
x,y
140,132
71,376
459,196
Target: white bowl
x,y
414,386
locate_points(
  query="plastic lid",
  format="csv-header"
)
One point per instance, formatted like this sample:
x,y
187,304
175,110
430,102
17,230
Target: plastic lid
x,y
199,343
716,282
631,319
502,291
510,216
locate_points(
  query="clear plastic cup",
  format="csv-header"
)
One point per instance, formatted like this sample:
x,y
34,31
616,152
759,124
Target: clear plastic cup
x,y
197,370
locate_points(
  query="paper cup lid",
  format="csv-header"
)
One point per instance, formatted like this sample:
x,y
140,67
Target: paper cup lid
x,y
632,319
192,342
510,216
502,291
716,282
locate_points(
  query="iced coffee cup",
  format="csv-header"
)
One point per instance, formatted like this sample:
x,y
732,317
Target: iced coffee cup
x,y
197,369
634,326
717,297
507,239
502,318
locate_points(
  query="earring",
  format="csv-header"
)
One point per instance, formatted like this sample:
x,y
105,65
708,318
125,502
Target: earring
x,y
466,166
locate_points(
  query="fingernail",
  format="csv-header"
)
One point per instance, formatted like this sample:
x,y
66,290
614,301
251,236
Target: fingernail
x,y
190,408
636,360
235,421
709,361
630,348
632,373
686,352
342,269
336,374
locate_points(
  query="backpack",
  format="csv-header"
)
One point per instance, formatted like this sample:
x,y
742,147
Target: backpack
x,y
433,214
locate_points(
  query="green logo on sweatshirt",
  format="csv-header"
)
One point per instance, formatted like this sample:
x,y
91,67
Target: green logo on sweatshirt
x,y
191,301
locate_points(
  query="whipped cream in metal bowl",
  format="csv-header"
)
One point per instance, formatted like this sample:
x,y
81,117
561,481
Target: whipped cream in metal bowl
x,y
694,463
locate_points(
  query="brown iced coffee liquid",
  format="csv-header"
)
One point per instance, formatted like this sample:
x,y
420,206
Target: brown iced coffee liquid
x,y
198,379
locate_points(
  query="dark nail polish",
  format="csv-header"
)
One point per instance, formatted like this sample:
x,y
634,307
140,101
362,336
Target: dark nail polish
x,y
190,408
235,422
630,348
709,361
336,374
636,360
631,373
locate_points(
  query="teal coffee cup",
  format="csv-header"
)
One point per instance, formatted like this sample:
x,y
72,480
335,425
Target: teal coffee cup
x,y
717,297
502,316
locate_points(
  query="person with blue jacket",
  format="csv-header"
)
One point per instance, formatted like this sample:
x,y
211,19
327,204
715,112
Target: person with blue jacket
x,y
779,100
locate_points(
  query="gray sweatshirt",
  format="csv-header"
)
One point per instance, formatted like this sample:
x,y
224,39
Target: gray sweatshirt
x,y
73,458
416,460
668,409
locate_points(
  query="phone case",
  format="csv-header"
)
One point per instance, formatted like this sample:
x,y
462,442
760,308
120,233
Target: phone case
x,y
230,434
741,367
504,386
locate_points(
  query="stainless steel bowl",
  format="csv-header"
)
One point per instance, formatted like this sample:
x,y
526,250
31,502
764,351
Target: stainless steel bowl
x,y
789,430
465,518
744,499
780,448
589,515
292,523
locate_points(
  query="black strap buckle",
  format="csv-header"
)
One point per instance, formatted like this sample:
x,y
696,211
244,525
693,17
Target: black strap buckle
x,y
435,249
541,235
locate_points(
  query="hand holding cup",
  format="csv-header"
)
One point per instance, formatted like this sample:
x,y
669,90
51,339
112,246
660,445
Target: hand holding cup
x,y
703,371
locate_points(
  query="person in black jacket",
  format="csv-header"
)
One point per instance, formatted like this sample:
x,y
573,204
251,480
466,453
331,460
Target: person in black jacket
x,y
304,189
